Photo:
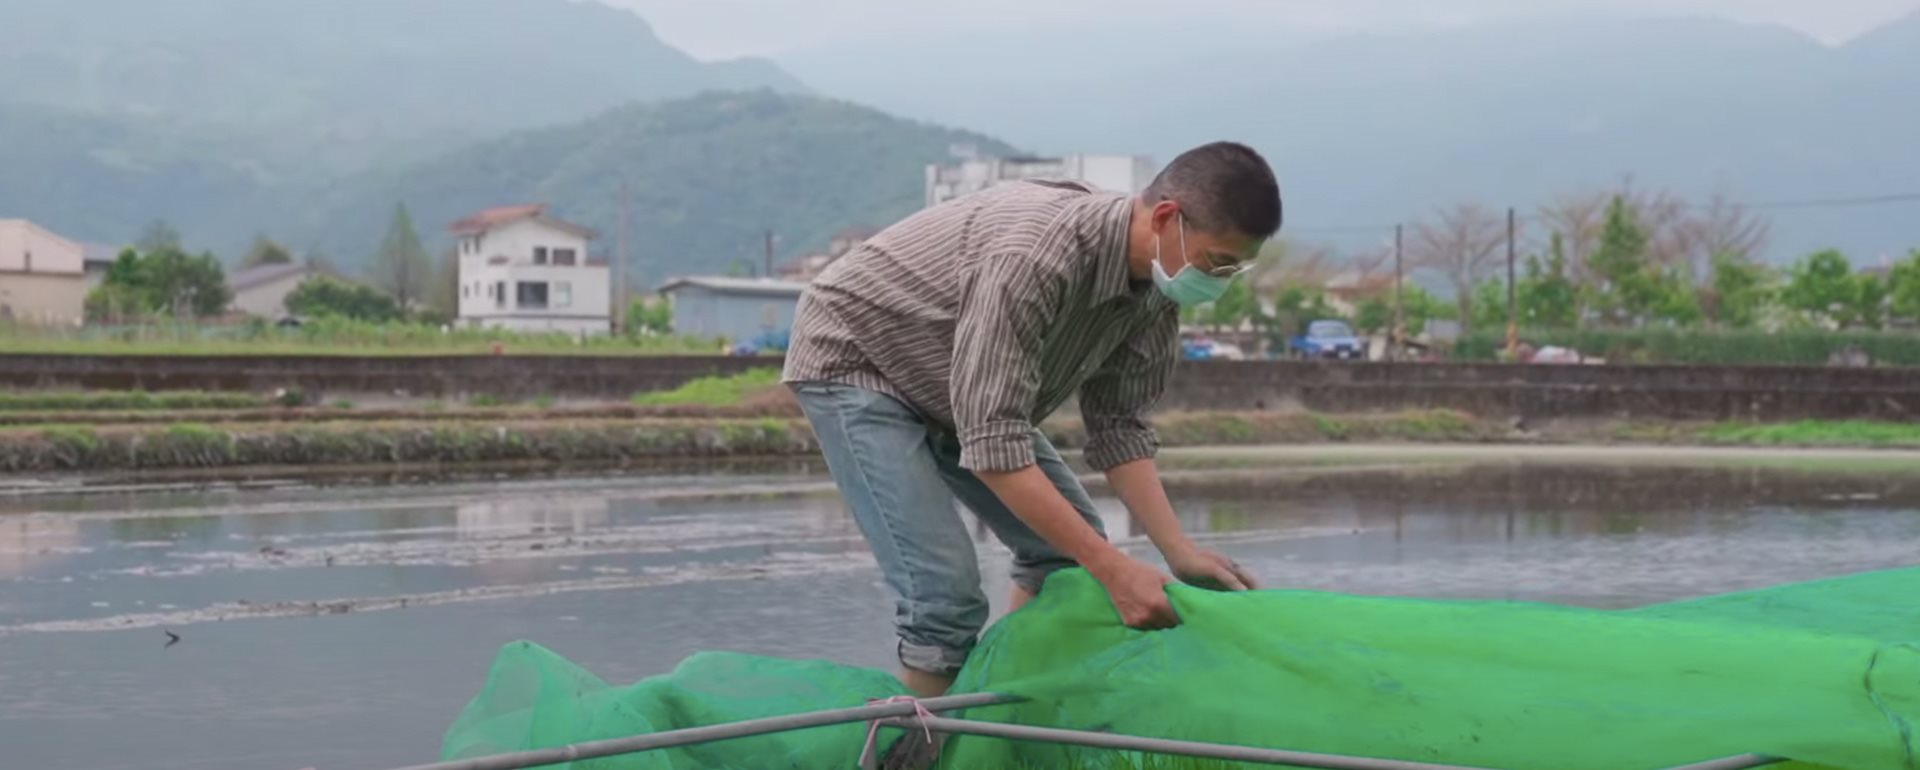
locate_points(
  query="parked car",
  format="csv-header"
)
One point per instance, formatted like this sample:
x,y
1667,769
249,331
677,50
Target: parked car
x,y
1210,350
1329,339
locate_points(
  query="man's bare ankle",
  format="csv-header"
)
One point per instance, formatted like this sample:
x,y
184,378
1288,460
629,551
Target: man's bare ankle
x,y
926,685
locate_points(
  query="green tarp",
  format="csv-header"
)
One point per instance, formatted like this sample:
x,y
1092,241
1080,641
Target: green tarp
x,y
1825,673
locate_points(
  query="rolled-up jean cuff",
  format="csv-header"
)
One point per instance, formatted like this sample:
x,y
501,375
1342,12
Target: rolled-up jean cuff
x,y
926,658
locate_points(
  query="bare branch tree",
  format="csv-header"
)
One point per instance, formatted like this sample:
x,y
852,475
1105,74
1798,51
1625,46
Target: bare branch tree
x,y
1578,219
1667,220
1727,228
1464,244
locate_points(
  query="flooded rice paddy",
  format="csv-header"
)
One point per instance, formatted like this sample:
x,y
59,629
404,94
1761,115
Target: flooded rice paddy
x,y
342,623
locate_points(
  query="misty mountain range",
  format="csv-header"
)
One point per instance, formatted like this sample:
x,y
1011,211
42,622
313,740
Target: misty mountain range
x,y
308,121
1373,129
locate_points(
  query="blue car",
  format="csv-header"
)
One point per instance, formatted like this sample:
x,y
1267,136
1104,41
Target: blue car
x,y
1329,339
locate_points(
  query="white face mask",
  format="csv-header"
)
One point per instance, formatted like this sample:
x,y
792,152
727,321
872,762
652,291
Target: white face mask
x,y
1191,286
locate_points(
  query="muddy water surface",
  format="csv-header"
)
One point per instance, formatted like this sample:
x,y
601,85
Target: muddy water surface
x,y
343,624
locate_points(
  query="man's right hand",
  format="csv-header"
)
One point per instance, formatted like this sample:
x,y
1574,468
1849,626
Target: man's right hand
x,y
1138,591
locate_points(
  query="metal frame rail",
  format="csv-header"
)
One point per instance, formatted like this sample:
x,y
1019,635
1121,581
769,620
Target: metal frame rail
x,y
905,715
696,735
1227,752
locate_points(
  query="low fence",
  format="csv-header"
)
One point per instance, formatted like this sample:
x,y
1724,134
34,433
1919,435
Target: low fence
x,y
1677,392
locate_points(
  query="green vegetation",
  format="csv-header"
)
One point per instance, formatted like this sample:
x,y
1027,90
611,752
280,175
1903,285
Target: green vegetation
x,y
714,391
648,317
73,440
322,296
1811,347
329,336
162,281
1817,433
64,401
336,443
265,251
402,267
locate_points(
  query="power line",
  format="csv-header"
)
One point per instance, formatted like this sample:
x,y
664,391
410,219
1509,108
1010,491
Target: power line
x,y
1814,203
1802,204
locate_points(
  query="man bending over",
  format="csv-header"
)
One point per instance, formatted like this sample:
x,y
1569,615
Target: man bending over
x,y
926,357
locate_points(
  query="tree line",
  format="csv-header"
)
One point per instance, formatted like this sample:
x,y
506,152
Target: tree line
x,y
1624,259
157,277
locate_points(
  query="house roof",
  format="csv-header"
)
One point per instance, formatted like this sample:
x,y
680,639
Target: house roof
x,y
99,253
258,275
498,216
761,287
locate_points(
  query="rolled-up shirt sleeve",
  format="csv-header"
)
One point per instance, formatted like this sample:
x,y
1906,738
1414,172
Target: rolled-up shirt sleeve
x,y
1007,305
1117,400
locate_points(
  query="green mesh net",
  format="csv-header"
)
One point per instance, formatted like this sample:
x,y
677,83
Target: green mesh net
x,y
1825,673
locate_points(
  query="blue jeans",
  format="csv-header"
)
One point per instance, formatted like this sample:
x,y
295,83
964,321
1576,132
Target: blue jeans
x,y
901,477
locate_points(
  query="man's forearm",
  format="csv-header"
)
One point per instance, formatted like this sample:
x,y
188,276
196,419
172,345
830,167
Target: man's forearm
x,y
1032,497
1138,485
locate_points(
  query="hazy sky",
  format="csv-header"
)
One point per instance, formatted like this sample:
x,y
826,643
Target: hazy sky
x,y
721,28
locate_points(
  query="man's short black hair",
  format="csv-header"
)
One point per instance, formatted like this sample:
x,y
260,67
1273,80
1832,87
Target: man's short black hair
x,y
1223,186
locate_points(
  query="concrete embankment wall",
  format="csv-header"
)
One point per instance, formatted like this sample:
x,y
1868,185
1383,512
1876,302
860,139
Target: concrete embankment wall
x,y
1671,392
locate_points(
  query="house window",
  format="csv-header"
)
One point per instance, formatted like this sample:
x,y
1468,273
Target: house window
x,y
564,257
539,255
499,293
29,262
562,293
531,295
466,290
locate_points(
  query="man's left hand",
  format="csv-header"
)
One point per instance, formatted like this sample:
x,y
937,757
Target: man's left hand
x,y
1207,569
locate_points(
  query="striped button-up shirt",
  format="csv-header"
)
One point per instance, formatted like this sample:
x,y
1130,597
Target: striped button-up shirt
x,y
986,313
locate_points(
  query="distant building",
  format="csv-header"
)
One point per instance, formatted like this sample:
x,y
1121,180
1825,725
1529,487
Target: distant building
x,y
43,276
1347,291
523,269
99,258
262,290
737,309
1116,173
809,266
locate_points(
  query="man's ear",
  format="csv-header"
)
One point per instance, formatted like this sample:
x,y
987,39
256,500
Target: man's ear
x,y
1164,214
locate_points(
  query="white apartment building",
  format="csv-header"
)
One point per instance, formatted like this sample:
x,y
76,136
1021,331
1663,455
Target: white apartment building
x,y
971,174
524,270
43,277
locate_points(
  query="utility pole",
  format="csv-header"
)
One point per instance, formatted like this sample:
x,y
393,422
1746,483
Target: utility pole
x,y
619,298
1397,340
1513,293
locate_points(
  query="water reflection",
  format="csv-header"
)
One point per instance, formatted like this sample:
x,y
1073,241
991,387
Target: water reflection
x,y
629,581
28,546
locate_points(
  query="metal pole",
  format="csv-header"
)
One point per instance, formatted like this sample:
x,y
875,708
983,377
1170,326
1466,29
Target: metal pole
x,y
1398,342
709,734
1513,294
1741,762
619,298
1160,746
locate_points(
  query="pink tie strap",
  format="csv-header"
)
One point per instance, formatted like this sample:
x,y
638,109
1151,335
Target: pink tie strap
x,y
919,711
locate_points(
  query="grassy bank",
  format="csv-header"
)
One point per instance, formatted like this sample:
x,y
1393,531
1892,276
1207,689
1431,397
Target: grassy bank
x,y
1816,433
533,436
123,401
330,337
732,390
190,445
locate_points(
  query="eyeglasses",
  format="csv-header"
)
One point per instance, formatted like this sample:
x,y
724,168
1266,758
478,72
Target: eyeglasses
x,y
1217,265
1229,270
